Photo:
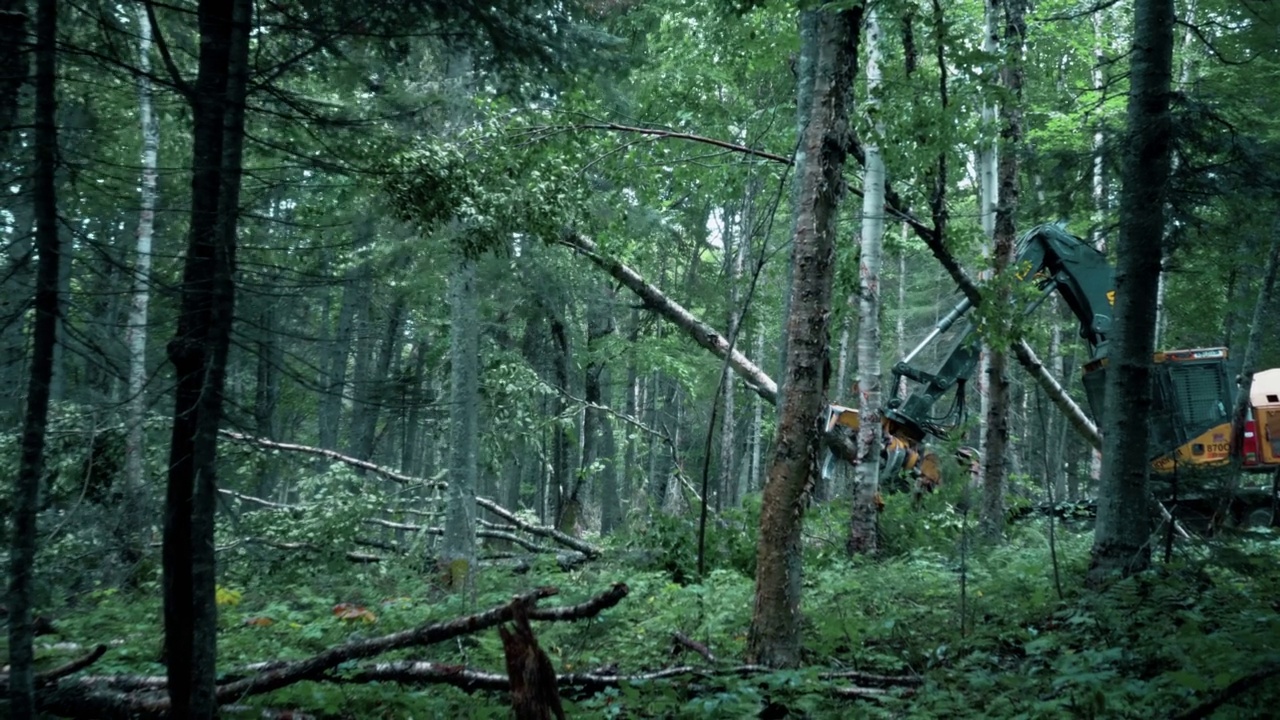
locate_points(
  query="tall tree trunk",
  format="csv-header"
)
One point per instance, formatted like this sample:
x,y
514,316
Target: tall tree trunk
x,y
774,638
376,385
412,401
458,550
559,490
632,407
269,352
599,326
361,375
754,478
199,355
140,298
988,196
806,66
334,379
736,247
1055,427
1098,188
1123,525
863,519
26,490
58,382
996,437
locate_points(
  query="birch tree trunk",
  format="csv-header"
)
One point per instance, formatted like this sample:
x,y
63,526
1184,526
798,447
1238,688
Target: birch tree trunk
x,y
1099,191
774,637
737,235
863,525
989,195
1123,523
140,292
757,425
996,436
26,487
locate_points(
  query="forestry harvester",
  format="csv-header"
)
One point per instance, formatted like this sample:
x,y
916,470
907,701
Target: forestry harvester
x,y
1193,389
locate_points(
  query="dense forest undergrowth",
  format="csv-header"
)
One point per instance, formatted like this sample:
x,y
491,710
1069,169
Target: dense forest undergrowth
x,y
938,624
607,358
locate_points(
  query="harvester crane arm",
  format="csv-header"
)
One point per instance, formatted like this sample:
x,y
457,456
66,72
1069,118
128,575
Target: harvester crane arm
x,y
1054,260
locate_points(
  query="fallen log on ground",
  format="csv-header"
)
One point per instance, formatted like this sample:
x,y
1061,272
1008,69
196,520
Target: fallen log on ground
x,y
586,684
130,696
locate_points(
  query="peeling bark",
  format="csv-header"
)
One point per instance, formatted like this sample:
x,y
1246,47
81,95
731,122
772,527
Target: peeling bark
x,y
774,638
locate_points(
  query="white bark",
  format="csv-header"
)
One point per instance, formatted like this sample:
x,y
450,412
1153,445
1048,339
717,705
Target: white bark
x,y
987,150
140,293
988,183
702,333
863,522
757,420
1099,199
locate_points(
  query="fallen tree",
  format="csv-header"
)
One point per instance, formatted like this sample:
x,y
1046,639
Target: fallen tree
x,y
895,206
550,533
130,696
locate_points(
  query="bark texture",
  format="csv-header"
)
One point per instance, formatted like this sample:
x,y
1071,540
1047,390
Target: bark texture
x,y
458,551
1123,524
655,300
995,470
199,356
774,638
140,293
865,513
26,491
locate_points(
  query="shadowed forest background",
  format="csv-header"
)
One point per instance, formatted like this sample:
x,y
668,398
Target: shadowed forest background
x,y
334,336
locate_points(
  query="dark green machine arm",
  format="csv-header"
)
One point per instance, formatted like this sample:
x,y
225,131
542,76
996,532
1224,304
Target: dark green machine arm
x,y
1053,259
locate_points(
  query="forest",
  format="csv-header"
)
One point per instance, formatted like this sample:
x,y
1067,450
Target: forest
x,y
621,359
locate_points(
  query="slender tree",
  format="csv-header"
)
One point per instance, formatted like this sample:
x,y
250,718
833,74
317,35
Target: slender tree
x,y
996,432
198,353
1123,525
774,638
26,493
863,522
140,292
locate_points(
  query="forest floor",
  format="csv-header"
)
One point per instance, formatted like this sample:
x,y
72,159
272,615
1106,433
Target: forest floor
x,y
967,631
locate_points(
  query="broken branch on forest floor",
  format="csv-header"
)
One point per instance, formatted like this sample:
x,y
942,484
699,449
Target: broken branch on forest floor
x,y
551,533
480,532
99,697
54,674
688,642
409,672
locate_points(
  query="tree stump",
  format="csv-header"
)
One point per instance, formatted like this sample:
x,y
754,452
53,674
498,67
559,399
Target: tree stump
x,y
534,694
